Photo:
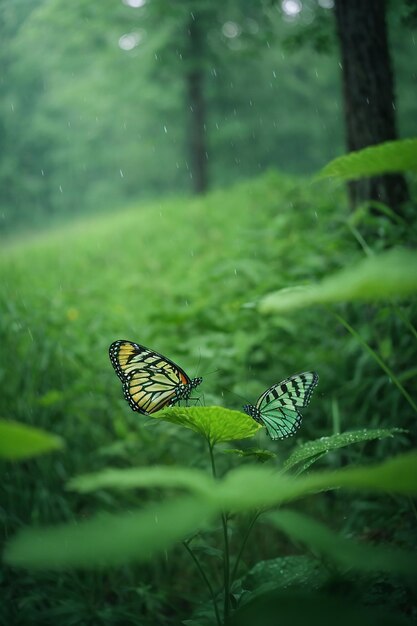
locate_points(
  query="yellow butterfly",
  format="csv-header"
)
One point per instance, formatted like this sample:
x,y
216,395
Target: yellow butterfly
x,y
150,380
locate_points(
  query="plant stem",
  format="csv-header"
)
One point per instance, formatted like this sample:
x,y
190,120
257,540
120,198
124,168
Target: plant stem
x,y
243,545
226,558
206,580
226,564
378,359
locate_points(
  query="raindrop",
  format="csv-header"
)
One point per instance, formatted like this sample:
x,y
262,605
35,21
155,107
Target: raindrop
x,y
291,7
274,74
121,174
60,188
165,129
135,4
12,107
128,41
231,30
43,173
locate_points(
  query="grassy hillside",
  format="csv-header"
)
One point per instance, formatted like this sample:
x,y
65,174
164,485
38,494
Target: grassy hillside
x,y
182,277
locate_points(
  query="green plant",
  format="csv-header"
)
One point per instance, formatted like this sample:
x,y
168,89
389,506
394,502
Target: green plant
x,y
251,489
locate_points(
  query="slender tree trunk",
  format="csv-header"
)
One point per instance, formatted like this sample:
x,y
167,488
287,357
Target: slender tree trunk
x,y
196,106
368,89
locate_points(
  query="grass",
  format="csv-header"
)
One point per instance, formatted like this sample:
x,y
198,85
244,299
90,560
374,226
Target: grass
x,y
182,277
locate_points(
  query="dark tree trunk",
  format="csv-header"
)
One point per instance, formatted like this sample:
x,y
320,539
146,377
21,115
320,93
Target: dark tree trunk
x,y
368,89
196,106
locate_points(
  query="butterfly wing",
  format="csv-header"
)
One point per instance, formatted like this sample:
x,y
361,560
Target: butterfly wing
x,y
148,391
150,380
279,405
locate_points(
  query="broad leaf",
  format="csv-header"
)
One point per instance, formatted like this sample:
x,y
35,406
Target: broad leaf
x,y
388,275
142,534
19,441
392,156
252,487
254,453
108,540
325,444
343,552
215,423
144,477
301,571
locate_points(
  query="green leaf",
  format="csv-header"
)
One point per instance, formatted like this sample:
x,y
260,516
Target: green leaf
x,y
19,441
325,444
108,540
215,423
254,453
300,571
252,487
144,477
381,277
142,534
392,156
345,553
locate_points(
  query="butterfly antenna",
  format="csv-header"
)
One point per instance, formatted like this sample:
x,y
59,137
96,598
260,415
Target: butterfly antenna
x,y
212,372
235,394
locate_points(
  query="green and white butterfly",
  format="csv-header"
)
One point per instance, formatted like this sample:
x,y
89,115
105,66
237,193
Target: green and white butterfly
x,y
277,408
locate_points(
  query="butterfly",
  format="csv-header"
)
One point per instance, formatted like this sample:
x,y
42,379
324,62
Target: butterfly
x,y
150,380
277,408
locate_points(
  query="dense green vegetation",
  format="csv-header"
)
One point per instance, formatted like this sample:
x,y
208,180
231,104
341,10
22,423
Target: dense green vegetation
x,y
185,277
111,113
86,125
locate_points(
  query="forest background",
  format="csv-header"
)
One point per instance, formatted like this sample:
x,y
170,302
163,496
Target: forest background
x,y
164,179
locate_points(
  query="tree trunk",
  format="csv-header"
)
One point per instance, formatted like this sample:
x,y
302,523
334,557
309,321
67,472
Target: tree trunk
x,y
196,106
368,90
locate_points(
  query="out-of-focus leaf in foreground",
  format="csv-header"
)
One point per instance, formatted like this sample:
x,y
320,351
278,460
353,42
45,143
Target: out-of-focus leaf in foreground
x,y
388,275
145,477
109,539
254,487
19,441
343,552
113,539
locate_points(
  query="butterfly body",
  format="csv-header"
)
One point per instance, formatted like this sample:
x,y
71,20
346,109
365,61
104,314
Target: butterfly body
x,y
277,408
150,380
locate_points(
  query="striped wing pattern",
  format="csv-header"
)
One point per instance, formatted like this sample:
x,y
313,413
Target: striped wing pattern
x,y
278,407
150,380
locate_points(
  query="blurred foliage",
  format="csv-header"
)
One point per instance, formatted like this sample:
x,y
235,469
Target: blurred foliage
x,y
98,117
18,441
87,123
182,277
